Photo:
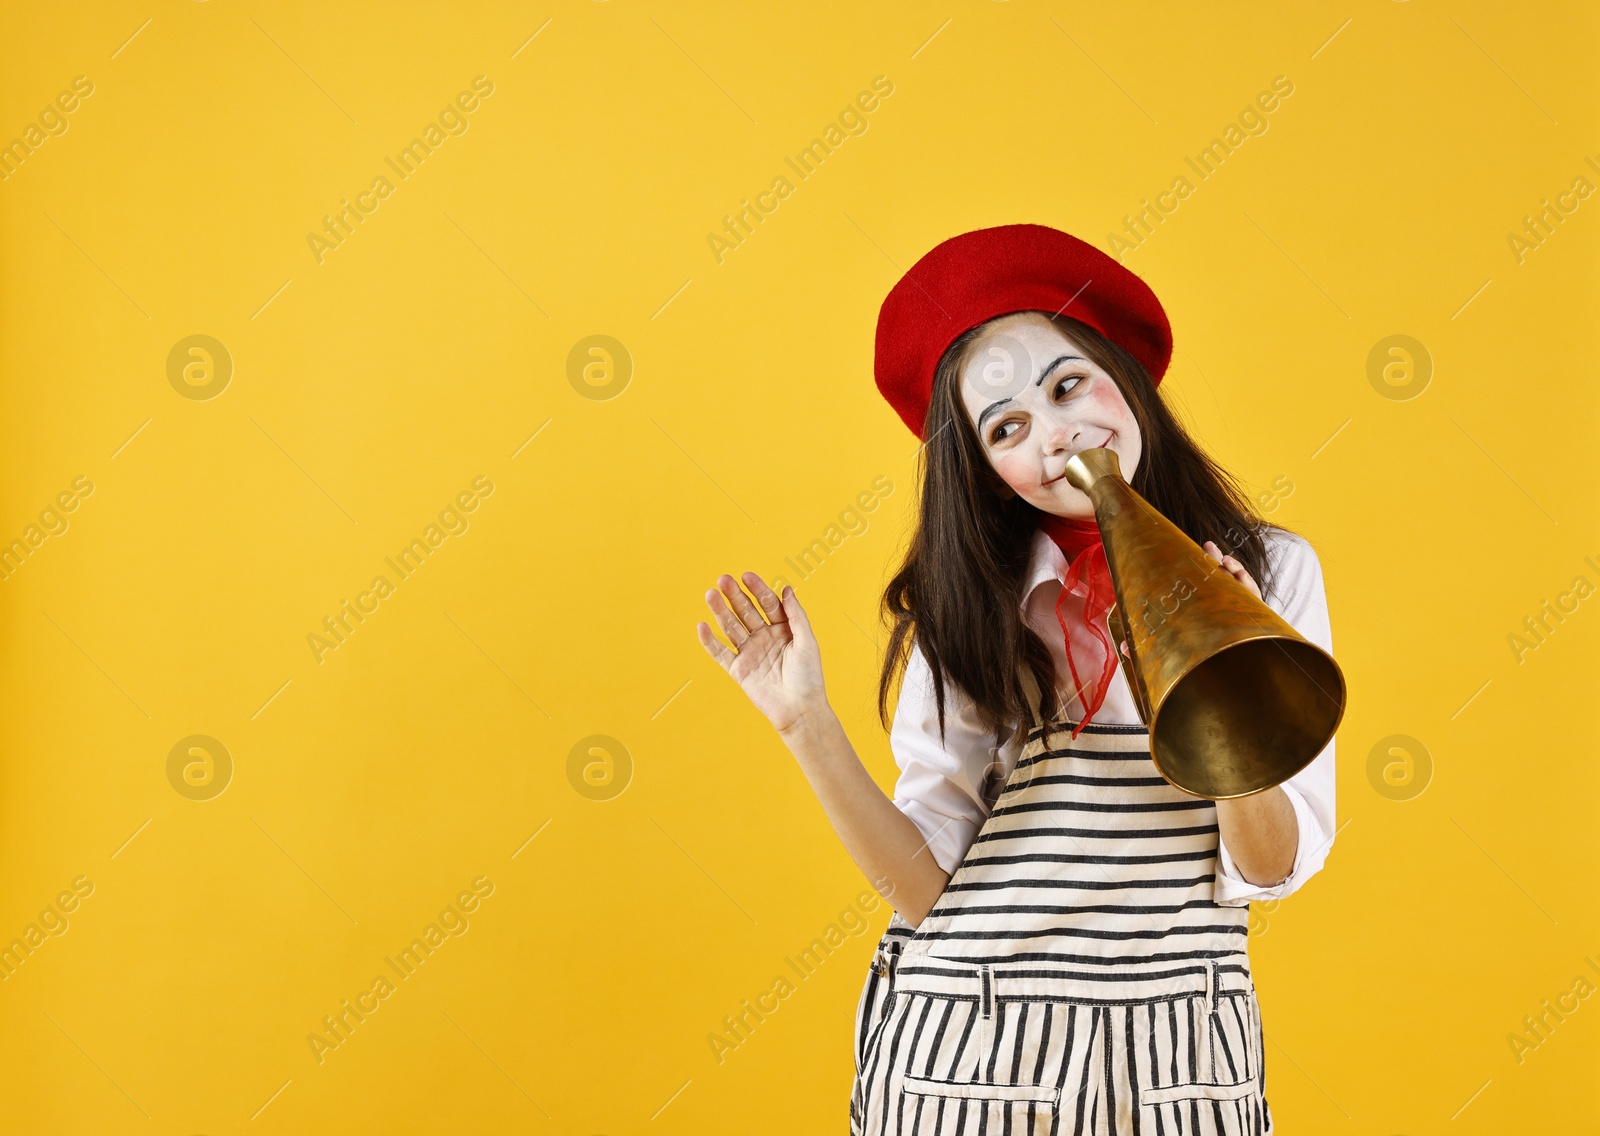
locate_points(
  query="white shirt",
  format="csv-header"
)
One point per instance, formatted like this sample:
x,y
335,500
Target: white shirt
x,y
941,785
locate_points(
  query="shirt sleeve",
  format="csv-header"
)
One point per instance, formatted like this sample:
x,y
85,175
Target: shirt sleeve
x,y
941,783
1299,597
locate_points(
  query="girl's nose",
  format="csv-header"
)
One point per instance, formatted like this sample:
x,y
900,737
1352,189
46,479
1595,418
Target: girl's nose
x,y
1061,437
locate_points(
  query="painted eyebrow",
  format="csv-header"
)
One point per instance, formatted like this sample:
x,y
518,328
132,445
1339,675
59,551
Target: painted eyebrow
x,y
994,406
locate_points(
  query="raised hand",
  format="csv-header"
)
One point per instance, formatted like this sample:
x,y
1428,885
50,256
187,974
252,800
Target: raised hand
x,y
774,659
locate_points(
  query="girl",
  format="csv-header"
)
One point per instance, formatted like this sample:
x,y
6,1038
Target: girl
x,y
1068,947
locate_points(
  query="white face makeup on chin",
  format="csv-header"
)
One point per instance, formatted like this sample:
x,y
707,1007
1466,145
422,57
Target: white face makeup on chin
x,y
1035,399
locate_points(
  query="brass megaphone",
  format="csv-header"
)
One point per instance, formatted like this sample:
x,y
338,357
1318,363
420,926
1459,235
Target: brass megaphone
x,y
1236,700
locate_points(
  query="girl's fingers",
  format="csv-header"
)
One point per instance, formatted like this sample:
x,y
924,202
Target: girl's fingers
x,y
1241,573
739,618
799,620
742,607
771,605
1231,565
714,647
731,626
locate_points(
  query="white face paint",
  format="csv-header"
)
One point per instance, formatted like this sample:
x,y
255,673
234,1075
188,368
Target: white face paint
x,y
1035,399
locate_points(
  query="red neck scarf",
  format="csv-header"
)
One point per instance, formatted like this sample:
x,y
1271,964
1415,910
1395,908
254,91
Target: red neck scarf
x,y
1088,575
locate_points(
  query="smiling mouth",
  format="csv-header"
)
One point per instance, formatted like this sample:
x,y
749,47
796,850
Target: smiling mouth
x,y
1063,473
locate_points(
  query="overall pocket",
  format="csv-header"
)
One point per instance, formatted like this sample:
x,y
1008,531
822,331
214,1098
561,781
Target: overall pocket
x,y
1020,1110
980,1064
982,1049
1225,1047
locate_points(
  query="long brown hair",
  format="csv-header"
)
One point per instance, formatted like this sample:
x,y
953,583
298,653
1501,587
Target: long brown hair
x,y
958,592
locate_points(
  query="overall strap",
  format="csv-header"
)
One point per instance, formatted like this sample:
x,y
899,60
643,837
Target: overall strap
x,y
1031,690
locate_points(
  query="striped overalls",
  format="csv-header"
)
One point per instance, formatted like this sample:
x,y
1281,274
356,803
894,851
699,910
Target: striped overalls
x,y
1076,975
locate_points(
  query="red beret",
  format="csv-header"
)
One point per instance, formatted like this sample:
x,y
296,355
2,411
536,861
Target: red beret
x,y
976,276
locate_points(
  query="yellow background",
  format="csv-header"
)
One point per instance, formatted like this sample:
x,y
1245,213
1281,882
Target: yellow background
x,y
369,389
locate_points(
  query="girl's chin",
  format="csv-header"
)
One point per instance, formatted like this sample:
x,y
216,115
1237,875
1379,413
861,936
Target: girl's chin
x,y
1072,512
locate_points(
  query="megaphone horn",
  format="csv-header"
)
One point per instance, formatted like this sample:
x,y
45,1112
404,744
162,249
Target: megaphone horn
x,y
1235,699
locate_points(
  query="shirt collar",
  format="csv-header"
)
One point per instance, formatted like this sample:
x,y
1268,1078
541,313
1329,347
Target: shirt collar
x,y
1046,564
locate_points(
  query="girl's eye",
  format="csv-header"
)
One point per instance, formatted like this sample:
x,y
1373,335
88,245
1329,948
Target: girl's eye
x,y
1064,386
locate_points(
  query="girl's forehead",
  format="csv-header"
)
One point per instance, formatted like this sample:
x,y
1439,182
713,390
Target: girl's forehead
x,y
1033,331
1010,351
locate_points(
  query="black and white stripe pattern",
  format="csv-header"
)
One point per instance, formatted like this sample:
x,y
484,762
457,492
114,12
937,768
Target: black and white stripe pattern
x,y
1076,975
